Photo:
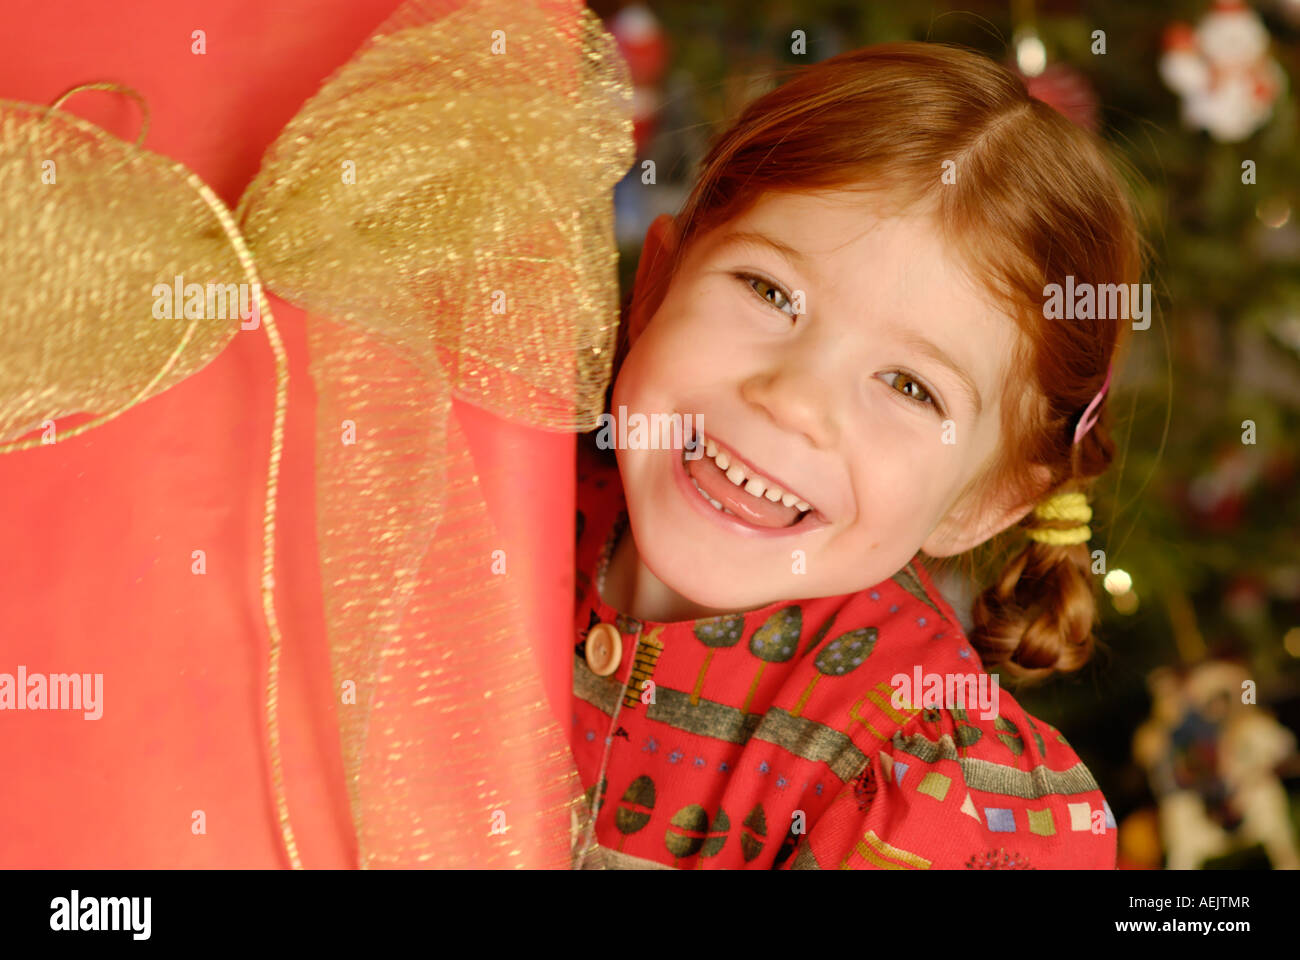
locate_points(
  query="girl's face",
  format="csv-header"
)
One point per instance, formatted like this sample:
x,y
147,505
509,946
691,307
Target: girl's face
x,y
845,406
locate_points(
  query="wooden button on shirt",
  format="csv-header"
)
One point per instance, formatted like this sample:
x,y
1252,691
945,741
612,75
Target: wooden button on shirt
x,y
604,649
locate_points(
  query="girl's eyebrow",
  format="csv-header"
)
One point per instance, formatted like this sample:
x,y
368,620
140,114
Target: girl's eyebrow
x,y
755,238
918,342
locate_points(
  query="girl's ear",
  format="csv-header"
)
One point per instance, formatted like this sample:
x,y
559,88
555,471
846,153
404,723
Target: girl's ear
x,y
651,273
954,535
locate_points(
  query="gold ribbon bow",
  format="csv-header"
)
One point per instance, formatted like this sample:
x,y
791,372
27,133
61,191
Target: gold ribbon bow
x,y
441,208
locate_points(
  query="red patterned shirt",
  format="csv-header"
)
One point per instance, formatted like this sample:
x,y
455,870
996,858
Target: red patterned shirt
x,y
773,739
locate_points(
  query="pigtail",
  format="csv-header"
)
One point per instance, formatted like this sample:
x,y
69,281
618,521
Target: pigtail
x,y
1037,617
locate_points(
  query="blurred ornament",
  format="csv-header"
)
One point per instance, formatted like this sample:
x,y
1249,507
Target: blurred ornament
x,y
1117,582
1291,642
1218,497
1119,585
1067,91
1273,212
1031,55
1182,67
1223,72
1212,764
1060,86
642,42
1275,236
1245,599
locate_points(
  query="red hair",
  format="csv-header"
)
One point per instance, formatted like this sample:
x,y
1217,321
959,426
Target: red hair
x,y
1034,200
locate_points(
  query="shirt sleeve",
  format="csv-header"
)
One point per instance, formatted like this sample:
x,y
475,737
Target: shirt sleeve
x,y
923,803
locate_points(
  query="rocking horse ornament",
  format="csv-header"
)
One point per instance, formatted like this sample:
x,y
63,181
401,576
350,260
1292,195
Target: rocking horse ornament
x,y
1212,763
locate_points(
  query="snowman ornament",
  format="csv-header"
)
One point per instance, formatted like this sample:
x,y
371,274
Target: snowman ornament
x,y
1223,72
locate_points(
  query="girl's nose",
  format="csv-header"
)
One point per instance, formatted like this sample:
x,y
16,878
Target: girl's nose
x,y
797,398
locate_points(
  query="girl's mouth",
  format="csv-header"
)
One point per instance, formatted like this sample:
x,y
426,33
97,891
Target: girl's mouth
x,y
721,481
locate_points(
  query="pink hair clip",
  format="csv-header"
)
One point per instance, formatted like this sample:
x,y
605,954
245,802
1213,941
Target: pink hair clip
x,y
1091,414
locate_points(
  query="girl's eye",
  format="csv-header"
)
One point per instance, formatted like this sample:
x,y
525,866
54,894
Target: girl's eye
x,y
770,293
925,398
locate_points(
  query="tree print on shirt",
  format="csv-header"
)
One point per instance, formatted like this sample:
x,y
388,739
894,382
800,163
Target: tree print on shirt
x,y
754,835
842,655
635,809
774,642
685,834
909,581
715,836
689,833
967,733
715,632
1038,737
590,793
1010,736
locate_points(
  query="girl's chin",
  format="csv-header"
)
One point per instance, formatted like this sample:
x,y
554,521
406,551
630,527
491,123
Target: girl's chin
x,y
698,605
714,585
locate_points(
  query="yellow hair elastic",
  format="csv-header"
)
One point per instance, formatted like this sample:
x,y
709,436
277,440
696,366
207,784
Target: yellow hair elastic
x,y
1063,506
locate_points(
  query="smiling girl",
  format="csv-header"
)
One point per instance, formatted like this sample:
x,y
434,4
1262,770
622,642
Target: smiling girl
x,y
850,308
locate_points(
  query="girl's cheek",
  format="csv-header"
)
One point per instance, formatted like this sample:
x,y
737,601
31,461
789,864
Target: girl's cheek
x,y
892,433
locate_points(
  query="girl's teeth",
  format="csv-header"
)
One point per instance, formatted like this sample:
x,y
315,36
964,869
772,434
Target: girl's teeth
x,y
715,503
752,485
